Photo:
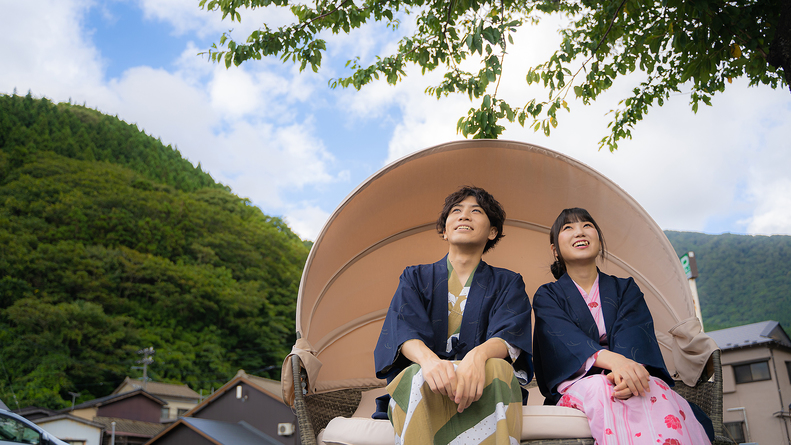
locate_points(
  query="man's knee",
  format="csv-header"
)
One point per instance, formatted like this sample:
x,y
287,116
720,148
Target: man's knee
x,y
498,366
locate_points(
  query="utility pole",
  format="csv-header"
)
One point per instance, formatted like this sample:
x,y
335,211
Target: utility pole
x,y
74,396
146,360
691,270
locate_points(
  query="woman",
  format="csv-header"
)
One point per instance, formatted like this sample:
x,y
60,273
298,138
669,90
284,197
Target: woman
x,y
452,333
595,348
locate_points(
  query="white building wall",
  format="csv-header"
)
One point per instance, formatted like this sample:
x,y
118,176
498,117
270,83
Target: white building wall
x,y
67,430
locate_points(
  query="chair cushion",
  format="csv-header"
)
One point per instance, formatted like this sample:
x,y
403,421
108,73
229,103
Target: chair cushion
x,y
358,431
538,422
367,405
553,422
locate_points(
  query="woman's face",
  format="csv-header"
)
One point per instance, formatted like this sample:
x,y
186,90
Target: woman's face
x,y
578,242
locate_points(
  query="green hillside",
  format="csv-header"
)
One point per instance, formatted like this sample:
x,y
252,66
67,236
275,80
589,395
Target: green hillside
x,y
111,242
743,278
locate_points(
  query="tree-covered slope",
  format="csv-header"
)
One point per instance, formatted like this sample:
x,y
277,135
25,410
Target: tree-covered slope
x,y
29,125
743,278
115,243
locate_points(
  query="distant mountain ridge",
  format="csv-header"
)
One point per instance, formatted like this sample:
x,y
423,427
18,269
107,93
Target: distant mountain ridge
x,y
743,278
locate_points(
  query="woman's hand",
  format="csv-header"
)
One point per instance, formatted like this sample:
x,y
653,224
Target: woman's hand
x,y
629,377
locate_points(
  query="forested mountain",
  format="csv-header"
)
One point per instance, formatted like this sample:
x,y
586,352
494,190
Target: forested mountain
x,y
111,242
743,278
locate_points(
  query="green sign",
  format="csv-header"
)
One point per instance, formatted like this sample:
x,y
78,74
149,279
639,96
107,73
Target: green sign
x,y
690,265
685,264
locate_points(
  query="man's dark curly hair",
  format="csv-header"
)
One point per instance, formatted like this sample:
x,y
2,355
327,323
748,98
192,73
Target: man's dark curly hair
x,y
494,211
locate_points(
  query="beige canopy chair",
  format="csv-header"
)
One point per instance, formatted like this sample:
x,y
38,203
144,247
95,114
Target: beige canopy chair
x,y
388,223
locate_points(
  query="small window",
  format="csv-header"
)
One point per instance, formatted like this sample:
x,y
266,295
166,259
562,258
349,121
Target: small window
x,y
736,431
165,413
752,372
182,411
788,370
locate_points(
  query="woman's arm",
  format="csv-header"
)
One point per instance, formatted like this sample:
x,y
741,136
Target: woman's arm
x,y
560,347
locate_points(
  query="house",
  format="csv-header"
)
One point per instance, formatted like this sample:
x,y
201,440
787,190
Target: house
x,y
178,398
66,427
246,410
132,417
72,429
756,372
33,413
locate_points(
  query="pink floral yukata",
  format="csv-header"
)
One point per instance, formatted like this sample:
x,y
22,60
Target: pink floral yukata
x,y
661,417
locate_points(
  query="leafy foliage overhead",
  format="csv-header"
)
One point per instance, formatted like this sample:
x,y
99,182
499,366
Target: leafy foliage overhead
x,y
700,46
111,242
743,279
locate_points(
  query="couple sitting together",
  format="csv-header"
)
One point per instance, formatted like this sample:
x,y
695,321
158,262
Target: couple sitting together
x,y
456,344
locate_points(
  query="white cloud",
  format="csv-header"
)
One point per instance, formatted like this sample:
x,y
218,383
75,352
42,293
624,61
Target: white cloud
x,y
186,17
45,50
307,220
235,92
773,211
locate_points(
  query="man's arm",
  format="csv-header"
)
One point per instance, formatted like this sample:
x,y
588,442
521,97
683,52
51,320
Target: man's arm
x,y
439,374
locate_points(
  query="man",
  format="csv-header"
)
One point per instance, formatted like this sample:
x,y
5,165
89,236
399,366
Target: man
x,y
452,333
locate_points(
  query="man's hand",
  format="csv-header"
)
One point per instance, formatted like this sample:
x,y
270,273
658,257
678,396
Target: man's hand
x,y
471,378
463,385
440,376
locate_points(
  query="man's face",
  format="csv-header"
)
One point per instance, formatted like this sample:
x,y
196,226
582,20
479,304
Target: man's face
x,y
467,224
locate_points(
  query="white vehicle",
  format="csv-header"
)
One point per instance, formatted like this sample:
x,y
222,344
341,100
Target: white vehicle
x,y
15,429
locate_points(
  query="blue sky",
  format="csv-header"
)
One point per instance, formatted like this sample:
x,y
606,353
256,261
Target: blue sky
x,y
296,148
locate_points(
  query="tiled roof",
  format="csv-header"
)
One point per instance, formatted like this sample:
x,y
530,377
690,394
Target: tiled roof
x,y
267,386
126,427
750,335
114,397
272,386
33,410
161,389
57,417
226,433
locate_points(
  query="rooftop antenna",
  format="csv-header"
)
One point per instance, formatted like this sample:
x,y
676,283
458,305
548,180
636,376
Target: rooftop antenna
x,y
146,360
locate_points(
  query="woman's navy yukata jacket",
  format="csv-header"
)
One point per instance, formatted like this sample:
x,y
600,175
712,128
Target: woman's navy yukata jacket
x,y
566,334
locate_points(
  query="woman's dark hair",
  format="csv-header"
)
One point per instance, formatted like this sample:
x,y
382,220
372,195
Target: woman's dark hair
x,y
494,211
567,216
